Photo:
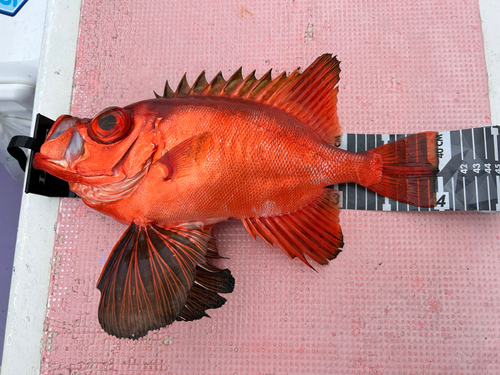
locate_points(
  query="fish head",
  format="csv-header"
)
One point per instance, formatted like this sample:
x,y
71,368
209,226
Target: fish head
x,y
110,149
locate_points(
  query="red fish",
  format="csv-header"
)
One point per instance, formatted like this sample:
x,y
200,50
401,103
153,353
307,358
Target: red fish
x,y
258,150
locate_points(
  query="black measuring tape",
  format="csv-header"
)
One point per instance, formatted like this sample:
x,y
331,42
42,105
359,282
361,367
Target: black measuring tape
x,y
468,177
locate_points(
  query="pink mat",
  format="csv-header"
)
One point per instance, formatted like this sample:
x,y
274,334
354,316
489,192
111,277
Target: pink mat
x,y
412,293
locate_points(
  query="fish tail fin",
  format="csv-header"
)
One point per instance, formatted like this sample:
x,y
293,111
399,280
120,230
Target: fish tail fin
x,y
409,168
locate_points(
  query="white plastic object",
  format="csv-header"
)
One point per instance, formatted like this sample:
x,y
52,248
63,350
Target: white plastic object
x,y
17,94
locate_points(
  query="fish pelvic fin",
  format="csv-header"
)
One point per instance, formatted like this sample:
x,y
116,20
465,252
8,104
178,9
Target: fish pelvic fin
x,y
409,168
310,96
313,231
156,275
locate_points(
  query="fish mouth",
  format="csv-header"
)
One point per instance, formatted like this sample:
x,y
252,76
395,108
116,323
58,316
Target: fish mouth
x,y
62,148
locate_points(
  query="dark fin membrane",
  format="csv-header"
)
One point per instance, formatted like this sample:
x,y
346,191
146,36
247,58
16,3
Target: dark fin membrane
x,y
209,281
409,168
313,231
150,275
310,96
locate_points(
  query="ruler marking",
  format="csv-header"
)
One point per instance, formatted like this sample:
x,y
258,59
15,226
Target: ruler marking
x,y
485,144
489,193
494,133
356,186
461,144
356,196
366,197
347,195
453,194
477,193
473,146
386,206
498,193
465,195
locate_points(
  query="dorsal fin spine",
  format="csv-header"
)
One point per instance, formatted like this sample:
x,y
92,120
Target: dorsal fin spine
x,y
167,91
199,85
244,86
231,84
266,93
183,88
262,82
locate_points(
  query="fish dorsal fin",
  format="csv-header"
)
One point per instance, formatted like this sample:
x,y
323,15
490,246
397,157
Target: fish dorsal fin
x,y
310,96
313,231
187,154
152,275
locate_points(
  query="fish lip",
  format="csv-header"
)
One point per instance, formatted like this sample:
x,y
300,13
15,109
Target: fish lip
x,y
61,150
57,168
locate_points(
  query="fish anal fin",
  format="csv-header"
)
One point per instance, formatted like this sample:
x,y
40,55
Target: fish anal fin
x,y
146,281
182,158
310,96
313,231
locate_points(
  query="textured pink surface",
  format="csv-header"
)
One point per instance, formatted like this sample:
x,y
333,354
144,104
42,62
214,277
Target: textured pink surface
x,y
412,293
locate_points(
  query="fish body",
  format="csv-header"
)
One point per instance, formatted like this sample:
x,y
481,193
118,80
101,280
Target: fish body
x,y
262,151
242,159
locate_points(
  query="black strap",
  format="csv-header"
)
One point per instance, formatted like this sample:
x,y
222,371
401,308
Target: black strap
x,y
20,141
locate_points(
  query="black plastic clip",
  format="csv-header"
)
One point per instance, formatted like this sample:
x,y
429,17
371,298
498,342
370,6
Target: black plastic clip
x,y
38,182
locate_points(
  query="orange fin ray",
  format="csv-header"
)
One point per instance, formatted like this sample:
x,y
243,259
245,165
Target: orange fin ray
x,y
313,231
148,279
310,96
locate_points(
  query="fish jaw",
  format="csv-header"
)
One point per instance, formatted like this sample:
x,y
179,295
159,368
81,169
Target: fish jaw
x,y
62,149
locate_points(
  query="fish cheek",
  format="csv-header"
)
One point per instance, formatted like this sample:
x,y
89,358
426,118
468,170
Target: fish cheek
x,y
139,154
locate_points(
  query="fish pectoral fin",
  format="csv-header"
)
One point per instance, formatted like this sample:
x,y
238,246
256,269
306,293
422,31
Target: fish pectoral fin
x,y
313,231
152,275
191,152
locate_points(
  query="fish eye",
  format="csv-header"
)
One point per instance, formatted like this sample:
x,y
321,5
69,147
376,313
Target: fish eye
x,y
110,126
